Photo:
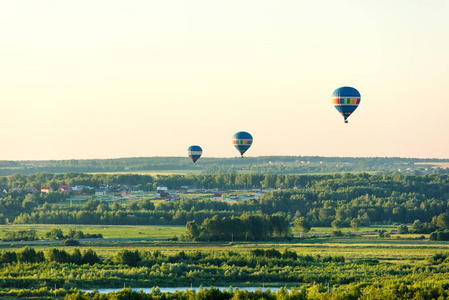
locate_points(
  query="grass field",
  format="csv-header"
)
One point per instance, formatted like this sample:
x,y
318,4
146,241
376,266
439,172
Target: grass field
x,y
137,237
162,232
443,165
110,231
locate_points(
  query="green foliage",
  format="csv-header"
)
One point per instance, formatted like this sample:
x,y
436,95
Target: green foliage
x,y
21,235
193,231
439,235
30,255
323,200
355,224
347,278
127,257
402,229
54,234
246,227
337,233
302,225
438,258
70,242
442,221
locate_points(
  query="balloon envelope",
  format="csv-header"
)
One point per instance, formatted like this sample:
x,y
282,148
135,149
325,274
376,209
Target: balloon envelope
x,y
242,141
346,99
194,152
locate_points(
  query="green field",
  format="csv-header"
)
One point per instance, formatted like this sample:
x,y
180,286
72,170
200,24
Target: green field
x,y
165,232
110,231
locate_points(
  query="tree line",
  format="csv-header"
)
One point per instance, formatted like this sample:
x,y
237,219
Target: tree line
x,y
259,165
244,228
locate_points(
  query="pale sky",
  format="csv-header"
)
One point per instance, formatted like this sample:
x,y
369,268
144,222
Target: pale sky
x,y
114,78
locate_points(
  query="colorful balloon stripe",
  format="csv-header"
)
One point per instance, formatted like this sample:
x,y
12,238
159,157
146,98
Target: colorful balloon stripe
x,y
242,142
338,100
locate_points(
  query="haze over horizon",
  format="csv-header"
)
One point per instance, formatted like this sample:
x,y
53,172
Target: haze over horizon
x,y
114,79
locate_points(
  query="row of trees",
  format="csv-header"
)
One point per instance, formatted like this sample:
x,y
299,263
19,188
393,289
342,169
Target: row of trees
x,y
221,181
30,255
247,227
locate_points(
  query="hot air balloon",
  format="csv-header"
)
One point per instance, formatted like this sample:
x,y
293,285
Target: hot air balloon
x,y
194,152
346,99
242,141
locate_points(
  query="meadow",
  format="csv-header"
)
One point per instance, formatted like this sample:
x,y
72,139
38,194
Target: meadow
x,y
316,263
108,231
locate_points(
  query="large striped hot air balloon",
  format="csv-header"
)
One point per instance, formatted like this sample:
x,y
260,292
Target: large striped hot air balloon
x,y
346,99
194,152
242,141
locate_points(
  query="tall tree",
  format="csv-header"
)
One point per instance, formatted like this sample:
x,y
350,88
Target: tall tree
x,y
302,225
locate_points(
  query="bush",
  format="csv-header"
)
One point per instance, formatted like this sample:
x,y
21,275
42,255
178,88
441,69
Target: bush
x,y
70,242
337,233
439,235
402,229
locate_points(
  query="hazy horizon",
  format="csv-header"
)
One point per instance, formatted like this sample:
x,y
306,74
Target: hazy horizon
x,y
231,157
120,79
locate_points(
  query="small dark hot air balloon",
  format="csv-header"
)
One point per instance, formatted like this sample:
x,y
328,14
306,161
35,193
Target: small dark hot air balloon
x,y
194,152
242,141
346,99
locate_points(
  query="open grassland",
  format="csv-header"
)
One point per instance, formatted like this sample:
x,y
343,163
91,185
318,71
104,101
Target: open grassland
x,y
352,248
165,232
109,231
366,235
157,237
443,165
150,238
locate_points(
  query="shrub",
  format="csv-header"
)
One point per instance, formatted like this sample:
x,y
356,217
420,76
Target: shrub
x,y
71,242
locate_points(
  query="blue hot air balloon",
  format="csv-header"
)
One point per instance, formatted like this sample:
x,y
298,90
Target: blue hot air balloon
x,y
194,152
242,141
346,99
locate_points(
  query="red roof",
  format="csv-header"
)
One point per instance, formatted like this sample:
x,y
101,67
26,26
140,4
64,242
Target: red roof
x,y
63,187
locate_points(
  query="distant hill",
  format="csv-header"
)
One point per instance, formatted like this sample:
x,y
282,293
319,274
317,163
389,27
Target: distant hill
x,y
257,165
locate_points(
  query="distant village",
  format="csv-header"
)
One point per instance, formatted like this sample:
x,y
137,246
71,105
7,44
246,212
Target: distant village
x,y
111,192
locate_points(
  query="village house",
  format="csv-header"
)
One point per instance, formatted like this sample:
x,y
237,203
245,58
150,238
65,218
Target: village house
x,y
164,195
100,192
46,189
161,189
64,188
31,189
175,197
218,197
183,190
125,192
